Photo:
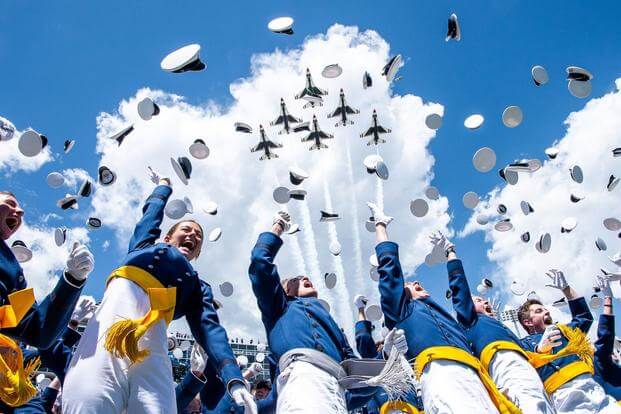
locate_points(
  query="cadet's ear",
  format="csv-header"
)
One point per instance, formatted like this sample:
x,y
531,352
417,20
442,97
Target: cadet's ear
x,y
166,238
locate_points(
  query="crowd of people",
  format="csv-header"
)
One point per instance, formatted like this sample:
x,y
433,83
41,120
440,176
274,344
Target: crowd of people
x,y
429,360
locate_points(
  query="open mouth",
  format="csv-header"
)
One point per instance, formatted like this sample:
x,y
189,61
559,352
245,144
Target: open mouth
x,y
308,284
188,245
12,223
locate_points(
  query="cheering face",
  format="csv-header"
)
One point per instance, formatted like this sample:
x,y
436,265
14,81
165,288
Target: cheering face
x,y
10,216
417,291
539,318
187,238
306,288
261,393
483,306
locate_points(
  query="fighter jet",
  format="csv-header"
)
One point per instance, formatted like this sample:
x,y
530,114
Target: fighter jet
x,y
375,130
266,146
315,135
285,118
342,111
311,92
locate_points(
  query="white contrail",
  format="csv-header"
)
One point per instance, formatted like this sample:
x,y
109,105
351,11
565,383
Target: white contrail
x,y
309,242
379,189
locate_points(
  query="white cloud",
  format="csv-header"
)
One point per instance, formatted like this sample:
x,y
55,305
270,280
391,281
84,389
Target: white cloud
x,y
74,177
242,185
592,133
12,161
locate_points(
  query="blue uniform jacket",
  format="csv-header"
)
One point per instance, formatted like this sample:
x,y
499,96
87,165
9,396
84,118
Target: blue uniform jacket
x,y
171,268
607,372
46,321
581,318
481,330
425,323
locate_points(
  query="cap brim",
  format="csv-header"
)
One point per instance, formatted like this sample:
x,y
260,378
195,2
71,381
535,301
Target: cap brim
x,y
419,207
484,159
215,234
179,171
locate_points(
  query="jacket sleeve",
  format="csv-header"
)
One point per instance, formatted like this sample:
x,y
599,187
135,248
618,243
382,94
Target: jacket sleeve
x,y
461,296
604,346
147,231
364,340
359,397
581,316
187,389
268,404
205,327
46,321
271,297
41,404
58,356
392,290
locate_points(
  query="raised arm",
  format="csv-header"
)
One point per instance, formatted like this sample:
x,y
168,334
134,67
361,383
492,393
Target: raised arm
x,y
581,316
604,345
147,231
365,345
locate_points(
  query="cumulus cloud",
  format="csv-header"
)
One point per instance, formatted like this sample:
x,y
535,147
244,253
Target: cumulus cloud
x,y
242,185
12,161
592,133
74,177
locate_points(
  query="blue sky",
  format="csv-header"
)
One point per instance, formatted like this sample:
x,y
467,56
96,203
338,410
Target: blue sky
x,y
64,63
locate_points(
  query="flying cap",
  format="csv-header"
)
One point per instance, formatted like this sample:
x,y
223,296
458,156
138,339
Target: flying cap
x,y
367,81
297,194
330,280
69,201
419,207
294,229
188,205
325,216
484,159
60,236
532,295
370,225
335,248
177,353
243,127
501,209
282,25
281,195
147,109
612,224
562,302
106,176
312,101
381,170
259,357
448,294
482,219
55,179
474,121
529,166
297,175
526,207
332,71
374,274
487,283
540,75
616,152
199,149
433,121
391,68
7,129
183,168
31,143
503,225
432,193
552,152
86,188
211,208
525,237
595,302
578,73
373,313
600,244
568,225
120,136
576,197
517,288
215,234
226,289
21,251
512,116
175,209
470,199
68,145
453,30
370,162
183,59
93,223
612,182
576,174
544,243
579,89
510,176
482,289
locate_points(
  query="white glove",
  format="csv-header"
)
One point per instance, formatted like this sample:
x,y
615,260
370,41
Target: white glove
x,y
616,259
198,358
611,276
396,338
495,303
284,219
254,370
242,397
440,241
378,215
154,176
558,279
86,306
360,301
603,283
80,262
550,339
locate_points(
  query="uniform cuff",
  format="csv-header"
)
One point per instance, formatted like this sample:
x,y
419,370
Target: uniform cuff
x,y
578,306
269,241
72,281
386,247
231,374
162,192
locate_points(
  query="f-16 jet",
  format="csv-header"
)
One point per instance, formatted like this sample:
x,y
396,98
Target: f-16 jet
x,y
342,111
374,131
266,146
315,135
285,118
311,92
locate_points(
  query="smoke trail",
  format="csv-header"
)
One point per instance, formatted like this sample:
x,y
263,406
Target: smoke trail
x,y
309,242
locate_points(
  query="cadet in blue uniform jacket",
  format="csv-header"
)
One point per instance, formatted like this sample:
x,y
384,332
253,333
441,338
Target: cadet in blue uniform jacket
x,y
123,352
295,319
443,358
567,378
500,351
22,319
607,371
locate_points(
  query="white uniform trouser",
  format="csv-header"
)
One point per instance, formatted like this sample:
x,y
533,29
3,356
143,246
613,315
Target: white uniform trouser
x,y
305,389
517,379
450,388
97,382
583,395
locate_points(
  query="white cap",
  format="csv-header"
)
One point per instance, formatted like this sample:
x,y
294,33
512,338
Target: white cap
x,y
526,207
374,274
512,116
226,289
600,244
432,193
474,121
433,121
60,236
93,223
482,289
332,71
367,81
525,237
188,205
373,313
106,176
612,224
576,174
419,207
578,73
568,224
470,199
544,243
242,360
595,302
147,109
183,168
7,129
391,68
120,136
330,280
484,159
55,179
503,225
175,209
283,25
183,59
540,75
68,145
373,260
326,216
579,89
31,143
243,127
211,208
215,234
517,288
70,201
552,152
297,175
335,248
612,182
21,252
199,149
453,31
281,195
482,219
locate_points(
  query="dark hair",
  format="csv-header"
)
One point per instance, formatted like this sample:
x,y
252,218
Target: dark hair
x,y
524,311
262,384
8,193
291,285
179,223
